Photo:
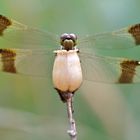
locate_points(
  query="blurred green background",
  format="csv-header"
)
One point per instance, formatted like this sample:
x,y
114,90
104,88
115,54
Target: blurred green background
x,y
30,108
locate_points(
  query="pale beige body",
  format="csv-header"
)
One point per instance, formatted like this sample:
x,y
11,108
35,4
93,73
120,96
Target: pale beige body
x,y
67,73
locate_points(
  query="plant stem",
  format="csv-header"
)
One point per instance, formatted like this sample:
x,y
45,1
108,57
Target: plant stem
x,y
72,131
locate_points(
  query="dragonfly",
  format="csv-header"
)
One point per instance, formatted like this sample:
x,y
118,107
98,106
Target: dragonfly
x,y
73,62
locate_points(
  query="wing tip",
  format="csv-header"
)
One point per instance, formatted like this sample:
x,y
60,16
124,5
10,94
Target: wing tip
x,y
4,23
134,30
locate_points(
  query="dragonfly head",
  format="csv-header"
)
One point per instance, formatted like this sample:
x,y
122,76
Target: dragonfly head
x,y
68,41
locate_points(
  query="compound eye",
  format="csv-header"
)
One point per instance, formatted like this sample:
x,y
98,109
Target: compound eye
x,y
64,36
73,36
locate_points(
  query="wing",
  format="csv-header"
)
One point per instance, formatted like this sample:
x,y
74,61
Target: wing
x,y
110,69
27,62
124,38
21,34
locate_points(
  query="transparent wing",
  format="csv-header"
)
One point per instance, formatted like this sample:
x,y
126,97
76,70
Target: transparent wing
x,y
124,38
109,69
95,68
21,34
27,62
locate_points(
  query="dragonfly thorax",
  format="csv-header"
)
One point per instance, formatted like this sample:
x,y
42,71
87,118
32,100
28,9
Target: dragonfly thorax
x,y
68,41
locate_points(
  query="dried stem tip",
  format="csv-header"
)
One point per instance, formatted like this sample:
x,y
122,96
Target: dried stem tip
x,y
72,131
